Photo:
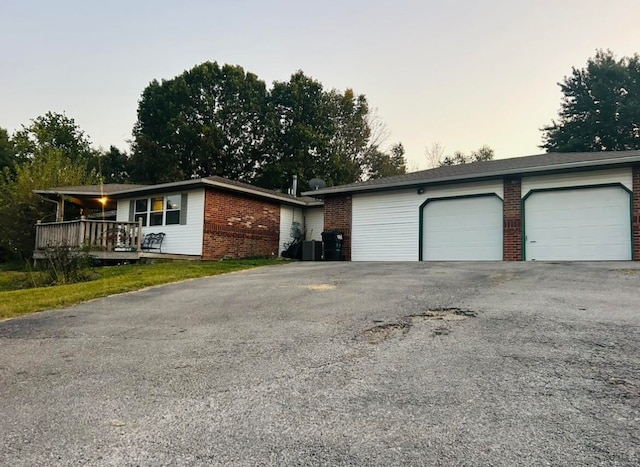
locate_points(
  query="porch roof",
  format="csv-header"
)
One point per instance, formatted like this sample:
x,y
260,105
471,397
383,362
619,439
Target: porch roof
x,y
88,196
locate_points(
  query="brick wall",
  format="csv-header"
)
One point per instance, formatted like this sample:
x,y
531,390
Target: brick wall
x,y
236,226
635,218
512,235
337,217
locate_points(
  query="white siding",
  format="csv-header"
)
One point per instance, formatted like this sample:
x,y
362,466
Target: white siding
x,y
314,223
599,177
179,239
385,226
288,215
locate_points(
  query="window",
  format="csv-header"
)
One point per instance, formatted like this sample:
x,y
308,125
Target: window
x,y
173,209
155,216
159,210
141,211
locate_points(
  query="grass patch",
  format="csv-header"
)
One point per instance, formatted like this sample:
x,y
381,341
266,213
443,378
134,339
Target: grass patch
x,y
16,301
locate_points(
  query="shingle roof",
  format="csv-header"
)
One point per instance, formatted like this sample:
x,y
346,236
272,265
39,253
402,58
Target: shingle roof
x,y
541,163
115,190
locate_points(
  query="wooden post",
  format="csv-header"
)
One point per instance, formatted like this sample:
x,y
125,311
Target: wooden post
x,y
38,234
81,231
139,236
60,213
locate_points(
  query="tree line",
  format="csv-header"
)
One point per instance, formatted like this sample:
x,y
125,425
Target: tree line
x,y
221,120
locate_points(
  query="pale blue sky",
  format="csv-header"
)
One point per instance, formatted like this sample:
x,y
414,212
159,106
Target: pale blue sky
x,y
464,73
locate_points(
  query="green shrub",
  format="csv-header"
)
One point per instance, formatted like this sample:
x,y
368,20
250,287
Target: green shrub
x,y
67,265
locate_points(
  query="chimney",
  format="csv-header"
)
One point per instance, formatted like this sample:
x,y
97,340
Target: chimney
x,y
294,187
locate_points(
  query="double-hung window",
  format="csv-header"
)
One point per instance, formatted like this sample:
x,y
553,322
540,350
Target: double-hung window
x,y
172,209
158,210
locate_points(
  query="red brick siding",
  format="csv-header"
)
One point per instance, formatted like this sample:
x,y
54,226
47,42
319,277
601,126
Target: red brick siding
x,y
337,217
636,212
236,226
512,234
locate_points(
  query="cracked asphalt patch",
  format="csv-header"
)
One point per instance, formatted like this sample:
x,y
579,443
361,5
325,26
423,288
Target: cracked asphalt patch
x,y
382,332
335,364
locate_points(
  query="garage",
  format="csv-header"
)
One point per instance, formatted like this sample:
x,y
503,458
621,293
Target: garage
x,y
462,229
553,206
591,223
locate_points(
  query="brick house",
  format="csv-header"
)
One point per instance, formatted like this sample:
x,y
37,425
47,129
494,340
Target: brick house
x,y
207,218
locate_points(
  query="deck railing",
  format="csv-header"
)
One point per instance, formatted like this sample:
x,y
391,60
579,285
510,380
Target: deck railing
x,y
97,235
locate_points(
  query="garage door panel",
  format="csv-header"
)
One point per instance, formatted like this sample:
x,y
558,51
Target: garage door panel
x,y
459,229
578,224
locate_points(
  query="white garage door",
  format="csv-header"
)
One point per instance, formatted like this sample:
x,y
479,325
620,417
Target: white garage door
x,y
462,229
578,224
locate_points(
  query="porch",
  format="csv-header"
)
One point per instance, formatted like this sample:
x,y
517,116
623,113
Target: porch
x,y
104,239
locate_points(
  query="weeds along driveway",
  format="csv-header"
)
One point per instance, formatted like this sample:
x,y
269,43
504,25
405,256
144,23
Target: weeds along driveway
x,y
335,364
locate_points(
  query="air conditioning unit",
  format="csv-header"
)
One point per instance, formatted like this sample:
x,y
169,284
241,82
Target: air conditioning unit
x,y
311,250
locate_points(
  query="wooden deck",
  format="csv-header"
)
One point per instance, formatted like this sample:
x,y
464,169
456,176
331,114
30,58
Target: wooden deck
x,y
104,239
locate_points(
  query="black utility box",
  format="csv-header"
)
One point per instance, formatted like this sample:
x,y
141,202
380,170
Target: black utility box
x,y
332,246
311,250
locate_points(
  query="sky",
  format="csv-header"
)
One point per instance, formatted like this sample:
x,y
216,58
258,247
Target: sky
x,y
461,73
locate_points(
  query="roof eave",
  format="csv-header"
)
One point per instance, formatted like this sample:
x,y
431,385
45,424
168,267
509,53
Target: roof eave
x,y
469,177
203,182
69,193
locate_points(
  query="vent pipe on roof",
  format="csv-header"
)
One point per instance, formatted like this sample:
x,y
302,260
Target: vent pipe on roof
x,y
294,187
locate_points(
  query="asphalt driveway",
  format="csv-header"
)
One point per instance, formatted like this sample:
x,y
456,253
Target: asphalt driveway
x,y
335,364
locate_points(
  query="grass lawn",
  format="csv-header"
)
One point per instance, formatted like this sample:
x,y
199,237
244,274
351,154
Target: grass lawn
x,y
16,300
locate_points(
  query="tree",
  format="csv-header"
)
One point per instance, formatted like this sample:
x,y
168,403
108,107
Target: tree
x,y
485,153
298,134
350,134
208,121
51,151
53,131
379,164
214,120
7,151
21,208
600,108
314,133
434,155
113,166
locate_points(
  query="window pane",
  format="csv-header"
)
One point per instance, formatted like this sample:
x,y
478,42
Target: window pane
x,y
173,217
156,204
173,202
155,218
143,217
141,205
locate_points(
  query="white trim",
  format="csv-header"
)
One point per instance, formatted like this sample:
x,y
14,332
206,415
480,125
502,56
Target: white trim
x,y
576,179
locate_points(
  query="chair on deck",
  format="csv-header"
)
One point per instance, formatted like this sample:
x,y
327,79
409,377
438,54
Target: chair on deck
x,y
153,241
